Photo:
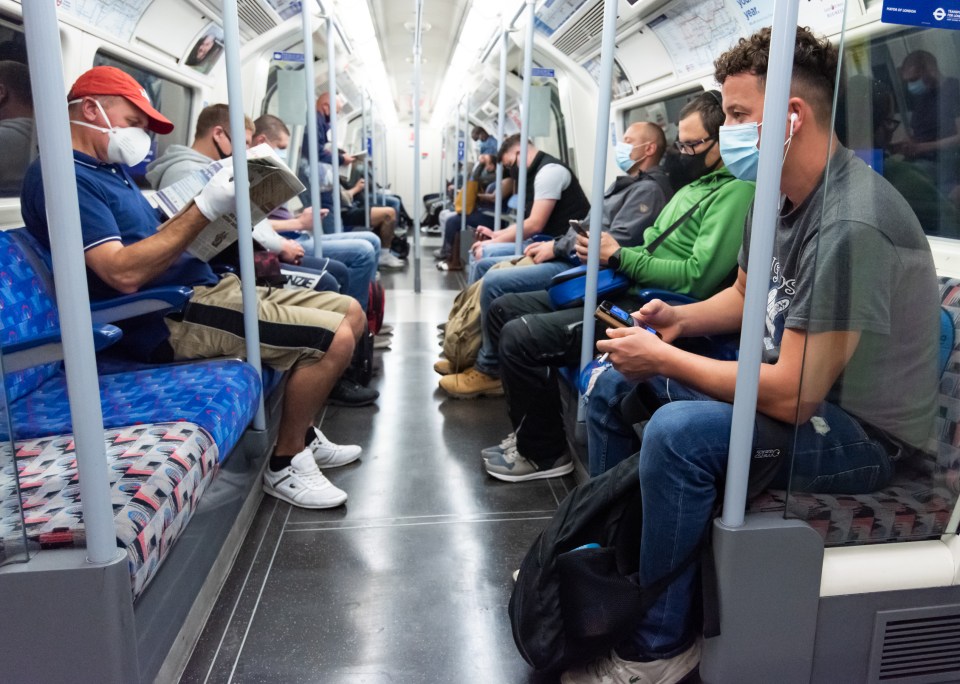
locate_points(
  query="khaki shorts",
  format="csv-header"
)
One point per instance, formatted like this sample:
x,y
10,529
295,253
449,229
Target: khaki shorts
x,y
296,326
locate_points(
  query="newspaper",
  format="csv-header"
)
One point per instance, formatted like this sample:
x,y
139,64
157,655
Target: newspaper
x,y
271,185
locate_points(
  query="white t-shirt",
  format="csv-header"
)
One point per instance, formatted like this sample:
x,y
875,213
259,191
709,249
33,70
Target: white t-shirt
x,y
550,182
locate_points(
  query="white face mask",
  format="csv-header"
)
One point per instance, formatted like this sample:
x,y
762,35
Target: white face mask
x,y
128,146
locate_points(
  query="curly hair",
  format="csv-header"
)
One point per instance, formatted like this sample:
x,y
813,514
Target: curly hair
x,y
814,66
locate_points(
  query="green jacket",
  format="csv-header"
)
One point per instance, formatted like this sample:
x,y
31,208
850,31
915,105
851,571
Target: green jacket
x,y
698,255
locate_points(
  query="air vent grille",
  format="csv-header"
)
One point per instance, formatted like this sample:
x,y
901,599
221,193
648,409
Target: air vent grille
x,y
254,19
254,16
587,29
913,648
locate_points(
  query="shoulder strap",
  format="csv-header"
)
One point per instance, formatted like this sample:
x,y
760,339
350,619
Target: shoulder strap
x,y
651,248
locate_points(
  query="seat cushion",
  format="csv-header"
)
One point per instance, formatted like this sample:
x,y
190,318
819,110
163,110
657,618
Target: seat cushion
x,y
920,500
219,396
157,474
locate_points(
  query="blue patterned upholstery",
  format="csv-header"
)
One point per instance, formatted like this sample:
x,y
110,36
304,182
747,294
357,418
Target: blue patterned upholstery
x,y
219,396
919,501
27,309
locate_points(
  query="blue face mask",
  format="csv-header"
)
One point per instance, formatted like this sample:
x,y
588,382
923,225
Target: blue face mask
x,y
917,87
739,151
622,152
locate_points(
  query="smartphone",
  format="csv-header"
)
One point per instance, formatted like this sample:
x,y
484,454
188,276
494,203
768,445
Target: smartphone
x,y
615,317
578,227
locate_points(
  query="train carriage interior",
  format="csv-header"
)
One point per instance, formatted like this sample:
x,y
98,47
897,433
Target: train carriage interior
x,y
782,455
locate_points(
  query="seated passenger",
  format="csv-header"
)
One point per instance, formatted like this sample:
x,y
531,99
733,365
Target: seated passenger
x,y
630,206
553,197
850,368
17,139
487,143
695,258
357,251
485,175
383,221
126,248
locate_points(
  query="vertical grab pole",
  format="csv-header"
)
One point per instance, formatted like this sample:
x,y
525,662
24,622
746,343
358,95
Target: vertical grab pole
x,y
73,300
443,162
521,189
463,196
418,200
366,161
601,145
782,44
251,325
501,106
460,157
313,150
332,88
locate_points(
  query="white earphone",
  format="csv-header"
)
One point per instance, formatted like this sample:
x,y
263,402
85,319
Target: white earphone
x,y
793,119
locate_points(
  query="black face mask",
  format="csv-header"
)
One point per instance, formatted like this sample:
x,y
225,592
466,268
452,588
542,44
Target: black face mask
x,y
683,169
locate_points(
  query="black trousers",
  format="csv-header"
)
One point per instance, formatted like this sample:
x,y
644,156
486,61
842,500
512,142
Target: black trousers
x,y
533,341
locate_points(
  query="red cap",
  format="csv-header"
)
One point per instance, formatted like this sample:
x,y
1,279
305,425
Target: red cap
x,y
108,80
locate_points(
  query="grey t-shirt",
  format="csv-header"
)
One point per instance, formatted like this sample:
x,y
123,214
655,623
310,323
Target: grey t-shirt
x,y
853,257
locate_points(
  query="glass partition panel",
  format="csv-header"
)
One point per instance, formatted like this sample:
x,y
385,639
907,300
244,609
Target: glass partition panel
x,y
13,534
875,452
665,113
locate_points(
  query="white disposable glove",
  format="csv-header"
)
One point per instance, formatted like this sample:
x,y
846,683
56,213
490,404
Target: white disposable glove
x,y
218,196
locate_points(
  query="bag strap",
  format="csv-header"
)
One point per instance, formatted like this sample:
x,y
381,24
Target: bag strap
x,y
651,248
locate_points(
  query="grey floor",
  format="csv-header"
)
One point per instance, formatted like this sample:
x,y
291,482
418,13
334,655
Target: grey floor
x,y
409,582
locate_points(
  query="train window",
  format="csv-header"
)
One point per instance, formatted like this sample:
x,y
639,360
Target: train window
x,y
665,113
17,137
171,98
907,85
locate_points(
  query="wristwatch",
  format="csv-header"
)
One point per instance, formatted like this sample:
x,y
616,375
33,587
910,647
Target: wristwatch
x,y
614,260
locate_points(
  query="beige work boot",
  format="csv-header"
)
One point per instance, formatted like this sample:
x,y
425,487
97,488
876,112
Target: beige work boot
x,y
471,383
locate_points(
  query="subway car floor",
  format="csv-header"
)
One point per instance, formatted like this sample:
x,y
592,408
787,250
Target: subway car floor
x,y
409,581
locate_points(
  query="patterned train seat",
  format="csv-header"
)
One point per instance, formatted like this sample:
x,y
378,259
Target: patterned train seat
x,y
157,474
920,501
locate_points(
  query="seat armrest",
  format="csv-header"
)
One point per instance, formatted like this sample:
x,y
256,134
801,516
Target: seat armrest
x,y
665,296
139,303
48,347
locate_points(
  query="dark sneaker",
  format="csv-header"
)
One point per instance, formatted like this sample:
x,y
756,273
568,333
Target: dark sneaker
x,y
349,393
510,466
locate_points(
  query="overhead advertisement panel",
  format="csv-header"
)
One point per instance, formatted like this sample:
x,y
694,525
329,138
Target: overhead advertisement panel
x,y
554,14
285,8
696,32
115,17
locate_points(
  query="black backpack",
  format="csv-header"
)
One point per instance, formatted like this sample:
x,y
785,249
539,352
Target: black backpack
x,y
571,605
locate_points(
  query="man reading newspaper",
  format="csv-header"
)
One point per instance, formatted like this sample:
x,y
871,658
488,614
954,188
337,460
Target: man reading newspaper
x,y
310,334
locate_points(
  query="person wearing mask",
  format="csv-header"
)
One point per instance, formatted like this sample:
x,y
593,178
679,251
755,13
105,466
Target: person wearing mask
x,y
630,206
324,156
691,249
126,248
487,144
849,374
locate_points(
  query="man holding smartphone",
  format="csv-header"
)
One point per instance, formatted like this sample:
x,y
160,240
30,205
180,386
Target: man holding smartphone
x,y
690,249
630,205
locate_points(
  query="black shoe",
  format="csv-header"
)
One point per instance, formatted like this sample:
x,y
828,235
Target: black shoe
x,y
349,393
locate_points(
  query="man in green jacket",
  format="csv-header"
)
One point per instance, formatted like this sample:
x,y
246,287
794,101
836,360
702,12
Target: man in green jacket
x,y
701,230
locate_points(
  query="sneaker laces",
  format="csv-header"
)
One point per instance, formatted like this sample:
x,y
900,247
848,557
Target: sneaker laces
x,y
509,441
511,455
313,477
604,666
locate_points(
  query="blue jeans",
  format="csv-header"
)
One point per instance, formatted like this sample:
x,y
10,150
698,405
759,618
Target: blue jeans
x,y
493,253
683,459
505,281
359,251
379,199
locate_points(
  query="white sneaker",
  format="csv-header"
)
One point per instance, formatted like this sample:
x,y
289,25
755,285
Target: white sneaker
x,y
507,442
382,341
386,329
302,484
612,669
387,260
330,455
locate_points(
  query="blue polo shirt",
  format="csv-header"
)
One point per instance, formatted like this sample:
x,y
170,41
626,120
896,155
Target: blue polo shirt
x,y
112,208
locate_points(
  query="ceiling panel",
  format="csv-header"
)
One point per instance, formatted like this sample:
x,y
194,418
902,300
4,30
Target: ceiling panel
x,y
444,18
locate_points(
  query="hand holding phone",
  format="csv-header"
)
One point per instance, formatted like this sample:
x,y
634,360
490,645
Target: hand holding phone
x,y
615,317
578,228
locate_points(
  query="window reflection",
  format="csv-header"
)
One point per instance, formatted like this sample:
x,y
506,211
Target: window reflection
x,y
17,133
906,86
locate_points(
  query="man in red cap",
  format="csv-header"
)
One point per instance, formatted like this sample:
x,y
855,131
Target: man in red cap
x,y
311,334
